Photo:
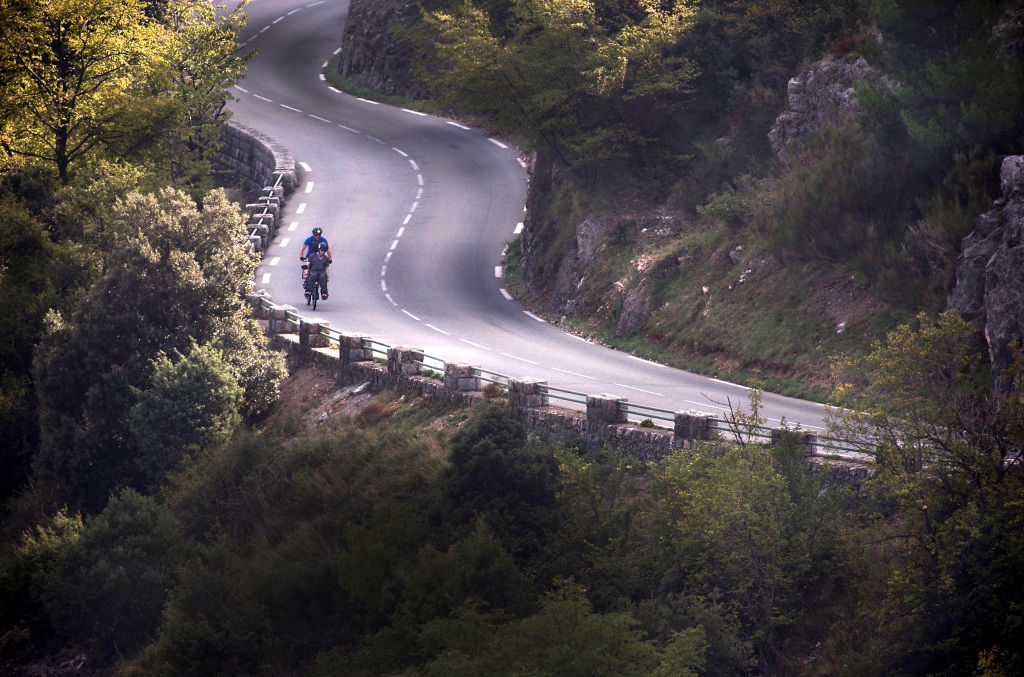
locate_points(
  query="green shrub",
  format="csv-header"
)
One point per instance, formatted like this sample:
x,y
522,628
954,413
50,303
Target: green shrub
x,y
501,474
29,567
110,587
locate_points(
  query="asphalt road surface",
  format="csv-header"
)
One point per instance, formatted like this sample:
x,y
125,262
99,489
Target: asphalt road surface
x,y
418,210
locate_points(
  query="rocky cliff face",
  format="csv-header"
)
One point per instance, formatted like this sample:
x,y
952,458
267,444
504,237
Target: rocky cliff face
x,y
990,270
374,51
820,97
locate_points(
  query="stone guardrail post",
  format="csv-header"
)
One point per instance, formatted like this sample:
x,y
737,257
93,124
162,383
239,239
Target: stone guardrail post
x,y
269,206
278,321
691,426
285,178
606,409
354,348
311,333
460,377
403,361
260,230
527,393
809,441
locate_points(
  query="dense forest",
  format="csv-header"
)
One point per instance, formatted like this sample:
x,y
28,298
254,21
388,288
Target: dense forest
x,y
168,506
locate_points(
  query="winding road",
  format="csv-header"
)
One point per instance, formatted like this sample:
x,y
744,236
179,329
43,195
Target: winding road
x,y
418,210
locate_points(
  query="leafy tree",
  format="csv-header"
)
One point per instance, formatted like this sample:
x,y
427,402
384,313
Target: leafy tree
x,y
84,79
200,66
728,653
476,567
729,522
191,405
501,476
72,67
565,638
600,540
214,621
110,587
29,565
176,278
580,82
36,274
953,91
946,437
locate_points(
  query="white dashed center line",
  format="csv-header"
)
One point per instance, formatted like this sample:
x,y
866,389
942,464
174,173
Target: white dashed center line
x,y
572,373
521,359
477,345
639,390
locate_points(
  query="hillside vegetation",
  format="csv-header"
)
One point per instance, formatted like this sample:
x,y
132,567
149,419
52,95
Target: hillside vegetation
x,y
661,217
175,503
359,534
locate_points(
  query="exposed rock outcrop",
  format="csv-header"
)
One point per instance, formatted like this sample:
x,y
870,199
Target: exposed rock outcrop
x,y
818,98
990,270
375,53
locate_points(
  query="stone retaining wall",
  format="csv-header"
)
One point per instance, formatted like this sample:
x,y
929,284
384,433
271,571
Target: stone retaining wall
x,y
254,159
265,169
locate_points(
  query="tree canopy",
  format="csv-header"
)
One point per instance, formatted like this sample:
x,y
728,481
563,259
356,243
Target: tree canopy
x,y
177,276
84,79
585,83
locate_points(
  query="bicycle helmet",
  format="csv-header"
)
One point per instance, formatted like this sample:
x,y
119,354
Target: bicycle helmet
x,y
318,231
322,246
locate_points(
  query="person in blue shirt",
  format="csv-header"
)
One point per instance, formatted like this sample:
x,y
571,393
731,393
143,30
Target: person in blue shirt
x,y
312,243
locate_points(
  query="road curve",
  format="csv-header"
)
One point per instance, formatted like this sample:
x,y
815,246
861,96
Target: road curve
x,y
418,210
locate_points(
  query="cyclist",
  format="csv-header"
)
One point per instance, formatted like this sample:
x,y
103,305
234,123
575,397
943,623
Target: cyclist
x,y
312,243
317,269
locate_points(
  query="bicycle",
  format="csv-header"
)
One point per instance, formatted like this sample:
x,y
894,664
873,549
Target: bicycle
x,y
313,292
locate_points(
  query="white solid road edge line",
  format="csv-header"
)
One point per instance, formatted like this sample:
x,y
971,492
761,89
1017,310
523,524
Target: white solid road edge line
x,y
640,359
